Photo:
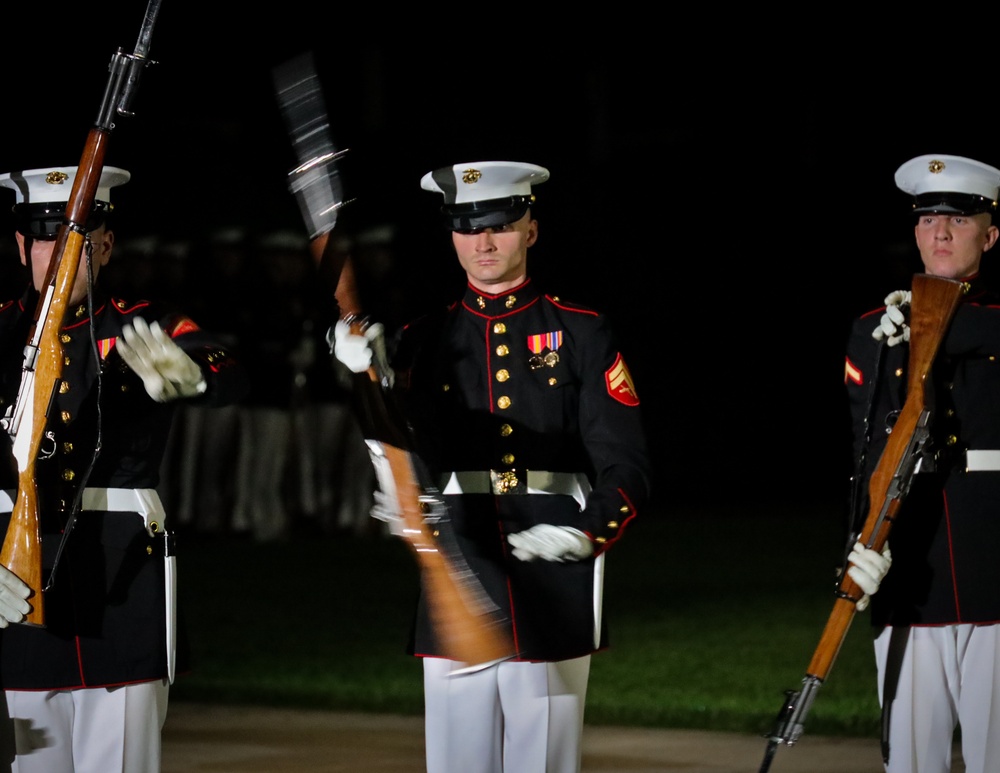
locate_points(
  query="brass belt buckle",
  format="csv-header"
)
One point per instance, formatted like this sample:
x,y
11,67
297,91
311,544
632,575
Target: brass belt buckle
x,y
505,483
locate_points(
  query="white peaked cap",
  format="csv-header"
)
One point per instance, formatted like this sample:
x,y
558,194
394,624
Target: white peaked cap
x,y
42,195
483,194
54,184
944,183
483,180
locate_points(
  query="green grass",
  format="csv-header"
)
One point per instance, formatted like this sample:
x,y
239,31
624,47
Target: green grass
x,y
713,615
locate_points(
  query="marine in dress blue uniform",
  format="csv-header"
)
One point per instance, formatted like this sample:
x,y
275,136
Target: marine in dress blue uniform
x,y
110,629
526,416
936,611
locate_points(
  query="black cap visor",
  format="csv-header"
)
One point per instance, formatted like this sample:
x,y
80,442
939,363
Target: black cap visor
x,y
42,221
477,215
953,204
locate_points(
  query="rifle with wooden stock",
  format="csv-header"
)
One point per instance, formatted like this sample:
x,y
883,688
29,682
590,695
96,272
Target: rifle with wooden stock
x,y
933,304
41,373
465,619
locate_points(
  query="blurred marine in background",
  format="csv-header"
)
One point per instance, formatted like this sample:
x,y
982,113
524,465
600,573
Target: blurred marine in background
x,y
88,691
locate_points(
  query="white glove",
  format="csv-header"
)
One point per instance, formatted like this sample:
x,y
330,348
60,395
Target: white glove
x,y
551,543
893,325
358,351
867,570
13,593
386,509
166,371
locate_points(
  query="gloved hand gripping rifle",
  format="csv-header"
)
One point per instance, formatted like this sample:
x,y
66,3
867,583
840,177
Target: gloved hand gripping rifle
x,y
464,618
933,305
43,355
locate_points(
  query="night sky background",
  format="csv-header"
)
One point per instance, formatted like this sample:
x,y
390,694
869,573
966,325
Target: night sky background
x,y
722,187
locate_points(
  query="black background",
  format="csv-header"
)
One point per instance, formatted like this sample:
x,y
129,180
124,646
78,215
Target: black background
x,y
721,185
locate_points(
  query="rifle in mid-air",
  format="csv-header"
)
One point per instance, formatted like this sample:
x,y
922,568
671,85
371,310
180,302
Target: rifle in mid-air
x,y
465,620
933,304
41,373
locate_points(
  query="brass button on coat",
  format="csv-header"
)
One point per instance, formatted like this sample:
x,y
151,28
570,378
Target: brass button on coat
x,y
503,402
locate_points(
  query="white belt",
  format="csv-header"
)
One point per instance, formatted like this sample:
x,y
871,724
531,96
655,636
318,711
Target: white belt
x,y
571,484
977,460
982,461
144,501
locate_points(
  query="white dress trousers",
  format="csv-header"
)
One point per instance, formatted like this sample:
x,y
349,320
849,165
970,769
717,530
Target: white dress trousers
x,y
509,717
91,730
949,675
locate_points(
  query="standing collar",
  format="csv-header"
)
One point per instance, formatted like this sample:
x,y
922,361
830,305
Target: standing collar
x,y
508,302
976,287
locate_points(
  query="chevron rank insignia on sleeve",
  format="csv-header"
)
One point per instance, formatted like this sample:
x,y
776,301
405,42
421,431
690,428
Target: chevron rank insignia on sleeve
x,y
619,383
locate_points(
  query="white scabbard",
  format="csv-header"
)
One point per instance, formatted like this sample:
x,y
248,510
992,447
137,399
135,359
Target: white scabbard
x,y
170,595
598,598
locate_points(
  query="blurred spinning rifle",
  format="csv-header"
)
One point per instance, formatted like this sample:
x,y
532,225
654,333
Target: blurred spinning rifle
x,y
465,620
933,305
43,355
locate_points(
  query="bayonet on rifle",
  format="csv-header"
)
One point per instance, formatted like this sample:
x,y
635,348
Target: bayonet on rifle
x,y
315,181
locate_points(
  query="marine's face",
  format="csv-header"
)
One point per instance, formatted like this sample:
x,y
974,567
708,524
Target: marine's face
x,y
103,240
952,246
496,259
